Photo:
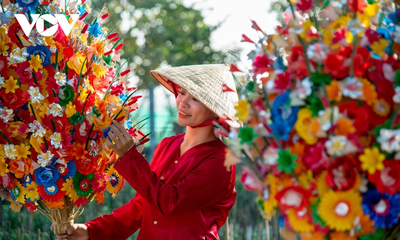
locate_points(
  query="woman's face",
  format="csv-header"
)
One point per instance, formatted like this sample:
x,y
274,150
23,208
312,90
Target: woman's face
x,y
191,112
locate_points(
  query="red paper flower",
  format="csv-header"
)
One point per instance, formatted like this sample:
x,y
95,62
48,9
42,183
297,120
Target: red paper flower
x,y
52,193
356,113
250,181
342,174
13,100
282,82
304,5
387,180
315,158
80,202
30,206
86,165
362,62
297,62
261,64
293,197
4,66
336,64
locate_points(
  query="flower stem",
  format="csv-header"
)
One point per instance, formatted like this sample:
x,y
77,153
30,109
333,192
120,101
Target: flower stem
x,y
4,136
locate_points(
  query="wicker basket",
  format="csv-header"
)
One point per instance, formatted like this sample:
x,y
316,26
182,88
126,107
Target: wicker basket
x,y
62,218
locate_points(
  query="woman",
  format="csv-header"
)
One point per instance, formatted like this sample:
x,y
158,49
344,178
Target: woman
x,y
186,192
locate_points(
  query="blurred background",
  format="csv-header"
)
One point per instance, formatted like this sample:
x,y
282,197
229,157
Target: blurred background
x,y
162,33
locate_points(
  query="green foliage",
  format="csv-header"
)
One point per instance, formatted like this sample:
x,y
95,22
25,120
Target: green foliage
x,y
159,32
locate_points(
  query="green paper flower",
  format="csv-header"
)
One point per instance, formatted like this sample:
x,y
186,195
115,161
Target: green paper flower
x,y
96,111
246,135
107,59
66,95
315,105
317,219
82,184
76,118
250,86
378,235
286,161
321,78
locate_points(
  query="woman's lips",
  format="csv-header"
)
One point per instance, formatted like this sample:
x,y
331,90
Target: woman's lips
x,y
183,114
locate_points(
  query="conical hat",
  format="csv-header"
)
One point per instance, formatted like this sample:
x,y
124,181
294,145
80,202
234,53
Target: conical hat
x,y
211,84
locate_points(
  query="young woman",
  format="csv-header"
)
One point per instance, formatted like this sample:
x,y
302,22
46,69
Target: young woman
x,y
186,192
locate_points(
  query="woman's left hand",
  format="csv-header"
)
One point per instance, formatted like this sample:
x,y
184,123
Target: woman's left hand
x,y
123,141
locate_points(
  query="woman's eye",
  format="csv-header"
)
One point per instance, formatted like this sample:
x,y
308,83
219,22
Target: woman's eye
x,y
195,99
180,93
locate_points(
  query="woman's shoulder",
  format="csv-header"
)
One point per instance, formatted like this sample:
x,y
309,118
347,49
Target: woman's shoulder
x,y
171,139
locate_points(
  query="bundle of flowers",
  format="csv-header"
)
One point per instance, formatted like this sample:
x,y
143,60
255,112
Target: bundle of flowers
x,y
321,133
58,96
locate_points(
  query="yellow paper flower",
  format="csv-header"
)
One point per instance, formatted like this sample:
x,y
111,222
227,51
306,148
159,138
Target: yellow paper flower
x,y
381,107
83,94
55,205
306,126
19,192
76,63
31,191
300,221
36,142
378,47
98,70
322,185
16,206
372,160
3,167
36,63
68,186
307,26
22,151
43,108
339,209
242,110
270,204
70,109
10,85
114,182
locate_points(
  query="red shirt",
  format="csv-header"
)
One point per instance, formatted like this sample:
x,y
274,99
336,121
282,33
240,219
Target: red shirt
x,y
187,197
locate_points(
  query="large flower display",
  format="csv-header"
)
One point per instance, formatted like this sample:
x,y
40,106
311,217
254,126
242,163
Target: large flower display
x,y
58,96
321,132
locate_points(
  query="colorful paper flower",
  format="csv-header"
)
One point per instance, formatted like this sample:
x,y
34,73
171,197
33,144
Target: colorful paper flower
x,y
114,180
383,209
387,180
339,209
82,184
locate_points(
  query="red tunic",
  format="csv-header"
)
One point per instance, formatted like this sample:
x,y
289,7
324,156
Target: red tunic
x,y
187,197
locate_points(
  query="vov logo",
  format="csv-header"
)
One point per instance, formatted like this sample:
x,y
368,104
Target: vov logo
x,y
52,19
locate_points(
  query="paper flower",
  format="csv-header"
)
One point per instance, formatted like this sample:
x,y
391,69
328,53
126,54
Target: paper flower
x,y
372,160
286,161
247,135
383,209
82,184
339,209
114,180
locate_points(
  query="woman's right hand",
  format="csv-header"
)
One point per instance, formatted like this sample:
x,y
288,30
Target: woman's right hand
x,y
76,232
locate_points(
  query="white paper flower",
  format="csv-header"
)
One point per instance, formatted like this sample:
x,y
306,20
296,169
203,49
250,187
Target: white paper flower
x,y
6,114
56,139
37,129
56,110
10,151
35,94
335,146
351,87
389,140
44,158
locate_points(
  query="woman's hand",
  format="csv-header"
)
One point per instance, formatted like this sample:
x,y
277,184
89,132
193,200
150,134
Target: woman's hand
x,y
75,232
123,141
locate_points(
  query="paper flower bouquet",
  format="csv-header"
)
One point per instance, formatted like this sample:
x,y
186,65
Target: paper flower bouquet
x,y
58,96
321,134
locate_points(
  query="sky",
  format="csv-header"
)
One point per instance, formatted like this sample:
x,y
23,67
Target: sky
x,y
237,15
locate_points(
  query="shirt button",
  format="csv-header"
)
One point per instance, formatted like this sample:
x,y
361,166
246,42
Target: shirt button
x,y
162,177
176,161
155,222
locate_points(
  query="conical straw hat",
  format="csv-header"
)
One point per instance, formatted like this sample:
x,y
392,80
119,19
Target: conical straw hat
x,y
211,84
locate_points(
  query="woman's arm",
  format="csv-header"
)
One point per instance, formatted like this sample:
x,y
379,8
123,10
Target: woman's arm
x,y
120,224
205,185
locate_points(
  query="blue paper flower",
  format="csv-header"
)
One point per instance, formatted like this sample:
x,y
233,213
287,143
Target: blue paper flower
x,y
71,170
283,112
95,29
383,209
46,176
31,4
53,187
280,129
27,179
105,132
81,9
42,51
